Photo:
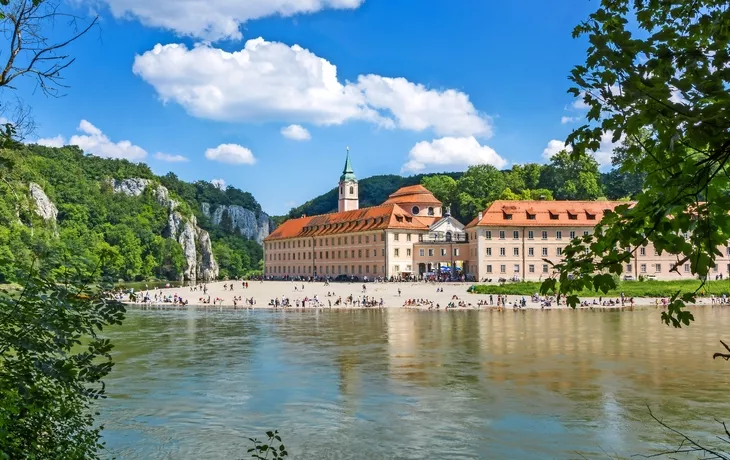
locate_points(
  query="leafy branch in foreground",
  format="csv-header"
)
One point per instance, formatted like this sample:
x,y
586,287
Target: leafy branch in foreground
x,y
661,91
52,362
273,446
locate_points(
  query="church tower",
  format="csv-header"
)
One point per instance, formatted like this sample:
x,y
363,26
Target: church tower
x,y
348,196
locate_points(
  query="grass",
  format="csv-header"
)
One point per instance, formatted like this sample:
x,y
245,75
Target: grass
x,y
650,288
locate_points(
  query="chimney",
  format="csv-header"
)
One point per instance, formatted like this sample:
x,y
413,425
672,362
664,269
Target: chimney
x,y
479,217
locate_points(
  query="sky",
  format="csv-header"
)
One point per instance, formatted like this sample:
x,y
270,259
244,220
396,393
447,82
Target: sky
x,y
266,95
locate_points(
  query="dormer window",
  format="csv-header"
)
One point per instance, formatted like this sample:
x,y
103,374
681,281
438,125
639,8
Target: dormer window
x,y
554,215
507,216
590,215
409,219
531,216
572,215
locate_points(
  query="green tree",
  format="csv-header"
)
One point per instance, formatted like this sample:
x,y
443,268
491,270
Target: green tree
x,y
656,74
478,186
442,187
52,362
537,194
571,177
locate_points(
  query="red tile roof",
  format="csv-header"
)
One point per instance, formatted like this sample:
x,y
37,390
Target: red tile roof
x,y
412,194
504,213
386,216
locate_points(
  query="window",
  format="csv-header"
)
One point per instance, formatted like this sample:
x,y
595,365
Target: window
x,y
443,251
686,268
544,268
352,241
530,235
572,235
359,268
728,250
408,251
517,268
359,239
430,253
421,252
553,216
558,235
559,251
516,235
488,235
430,211
489,269
456,252
572,216
489,251
714,269
352,190
544,252
408,237
375,269
530,216
367,268
395,237
396,252
658,268
408,268
531,268
657,253
367,238
642,268
531,252
502,269
415,210
585,232
642,251
507,216
501,234
359,252
544,234
397,268
345,254
515,251
367,252
628,268
502,251
382,237
339,240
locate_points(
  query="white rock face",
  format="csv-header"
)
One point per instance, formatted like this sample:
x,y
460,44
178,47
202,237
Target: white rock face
x,y
130,187
243,220
195,242
208,267
44,207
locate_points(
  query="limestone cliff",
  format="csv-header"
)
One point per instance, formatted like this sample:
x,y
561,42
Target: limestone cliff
x,y
243,220
200,263
44,207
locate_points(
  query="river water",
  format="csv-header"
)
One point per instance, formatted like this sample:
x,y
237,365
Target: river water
x,y
405,384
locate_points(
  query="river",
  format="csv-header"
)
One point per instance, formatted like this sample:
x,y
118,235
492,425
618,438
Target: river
x,y
405,384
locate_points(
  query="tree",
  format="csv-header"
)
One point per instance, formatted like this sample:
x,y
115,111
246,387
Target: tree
x,y
522,177
441,186
29,52
476,188
572,178
52,362
665,89
537,194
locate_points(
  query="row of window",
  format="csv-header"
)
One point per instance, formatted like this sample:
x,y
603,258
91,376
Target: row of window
x,y
444,252
331,241
629,268
531,234
340,253
530,252
332,270
516,268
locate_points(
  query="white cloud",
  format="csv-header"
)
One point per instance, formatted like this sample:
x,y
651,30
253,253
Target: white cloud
x,y
603,155
95,142
170,158
271,81
57,141
214,19
417,108
567,120
233,154
220,184
451,151
296,132
554,147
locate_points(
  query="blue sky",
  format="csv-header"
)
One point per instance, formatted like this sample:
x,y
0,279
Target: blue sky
x,y
426,88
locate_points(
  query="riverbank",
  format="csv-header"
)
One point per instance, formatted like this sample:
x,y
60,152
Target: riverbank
x,y
418,296
638,289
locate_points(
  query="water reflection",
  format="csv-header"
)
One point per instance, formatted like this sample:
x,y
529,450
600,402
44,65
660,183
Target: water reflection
x,y
406,384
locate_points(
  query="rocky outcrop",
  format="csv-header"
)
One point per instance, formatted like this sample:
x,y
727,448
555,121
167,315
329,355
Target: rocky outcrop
x,y
243,220
130,187
200,263
44,207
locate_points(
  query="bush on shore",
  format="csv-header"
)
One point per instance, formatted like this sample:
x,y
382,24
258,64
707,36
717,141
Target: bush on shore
x,y
650,288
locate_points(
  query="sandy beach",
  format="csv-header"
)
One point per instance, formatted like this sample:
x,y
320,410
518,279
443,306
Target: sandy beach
x,y
427,295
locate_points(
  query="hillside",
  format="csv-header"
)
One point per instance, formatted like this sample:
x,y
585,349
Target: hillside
x,y
469,192
63,209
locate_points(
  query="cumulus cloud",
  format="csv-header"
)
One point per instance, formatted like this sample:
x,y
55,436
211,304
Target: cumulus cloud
x,y
233,154
57,141
451,151
294,85
603,155
554,147
95,142
220,184
214,19
296,132
567,120
170,158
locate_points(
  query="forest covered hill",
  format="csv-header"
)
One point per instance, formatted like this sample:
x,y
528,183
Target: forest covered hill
x,y
469,192
67,210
